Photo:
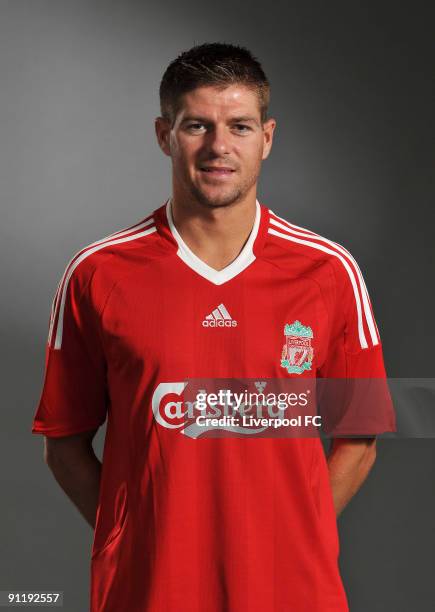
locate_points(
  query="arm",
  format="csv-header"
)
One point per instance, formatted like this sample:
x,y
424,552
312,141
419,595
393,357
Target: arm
x,y
77,469
349,464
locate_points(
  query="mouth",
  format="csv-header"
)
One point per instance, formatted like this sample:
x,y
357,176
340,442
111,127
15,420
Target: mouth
x,y
217,170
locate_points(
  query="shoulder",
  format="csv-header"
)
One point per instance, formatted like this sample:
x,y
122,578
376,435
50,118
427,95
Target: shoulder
x,y
313,248
96,266
337,272
92,271
111,253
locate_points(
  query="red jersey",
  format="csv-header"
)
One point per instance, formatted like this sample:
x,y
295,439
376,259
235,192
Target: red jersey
x,y
200,524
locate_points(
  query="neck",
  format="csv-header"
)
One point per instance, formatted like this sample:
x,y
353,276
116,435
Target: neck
x,y
215,235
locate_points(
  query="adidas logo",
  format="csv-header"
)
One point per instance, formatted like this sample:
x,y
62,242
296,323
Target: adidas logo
x,y
220,317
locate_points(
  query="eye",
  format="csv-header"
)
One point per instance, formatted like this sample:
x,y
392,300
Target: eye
x,y
242,128
194,127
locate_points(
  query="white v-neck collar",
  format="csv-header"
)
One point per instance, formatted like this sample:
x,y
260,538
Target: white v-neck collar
x,y
217,277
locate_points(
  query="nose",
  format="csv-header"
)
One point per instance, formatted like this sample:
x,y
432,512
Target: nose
x,y
218,140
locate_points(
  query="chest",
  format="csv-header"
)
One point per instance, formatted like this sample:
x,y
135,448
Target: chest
x,y
172,321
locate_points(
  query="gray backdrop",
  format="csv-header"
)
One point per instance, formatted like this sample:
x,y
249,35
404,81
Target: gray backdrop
x,y
352,92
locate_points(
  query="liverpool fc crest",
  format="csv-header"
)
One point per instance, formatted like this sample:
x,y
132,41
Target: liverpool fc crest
x,y
297,352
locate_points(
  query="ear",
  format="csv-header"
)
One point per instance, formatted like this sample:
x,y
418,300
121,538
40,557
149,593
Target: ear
x,y
163,130
268,129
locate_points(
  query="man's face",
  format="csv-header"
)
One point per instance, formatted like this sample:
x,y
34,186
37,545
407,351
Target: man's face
x,y
217,144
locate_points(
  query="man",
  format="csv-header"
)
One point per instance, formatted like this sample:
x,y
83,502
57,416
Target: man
x,y
206,286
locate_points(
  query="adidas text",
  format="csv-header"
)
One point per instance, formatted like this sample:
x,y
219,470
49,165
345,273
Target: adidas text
x,y
220,323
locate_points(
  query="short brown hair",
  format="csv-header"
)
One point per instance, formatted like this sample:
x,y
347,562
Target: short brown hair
x,y
212,64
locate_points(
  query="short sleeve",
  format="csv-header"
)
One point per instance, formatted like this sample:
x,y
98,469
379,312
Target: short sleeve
x,y
353,369
74,396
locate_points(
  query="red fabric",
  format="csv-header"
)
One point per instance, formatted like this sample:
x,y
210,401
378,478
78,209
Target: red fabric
x,y
214,524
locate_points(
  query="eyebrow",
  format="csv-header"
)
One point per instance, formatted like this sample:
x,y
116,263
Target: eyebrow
x,y
244,119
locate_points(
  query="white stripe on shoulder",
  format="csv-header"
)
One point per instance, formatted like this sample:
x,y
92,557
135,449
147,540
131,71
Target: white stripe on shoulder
x,y
366,297
292,225
148,221
326,249
137,226
371,323
97,247
53,308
